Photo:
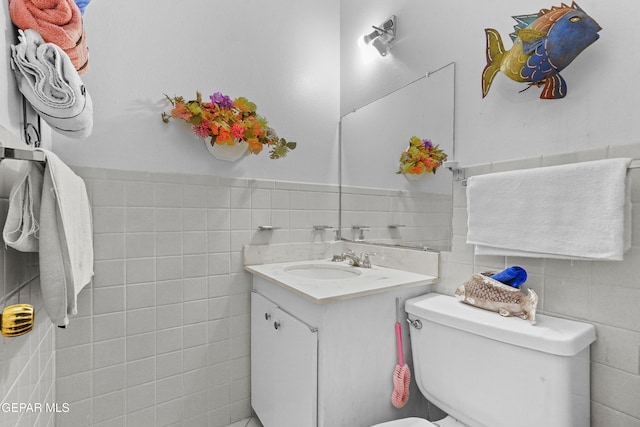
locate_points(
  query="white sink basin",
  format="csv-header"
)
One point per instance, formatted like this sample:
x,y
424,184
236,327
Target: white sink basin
x,y
323,271
324,281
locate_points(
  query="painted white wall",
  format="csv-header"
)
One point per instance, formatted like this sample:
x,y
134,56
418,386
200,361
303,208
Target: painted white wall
x,y
599,109
10,107
281,54
284,55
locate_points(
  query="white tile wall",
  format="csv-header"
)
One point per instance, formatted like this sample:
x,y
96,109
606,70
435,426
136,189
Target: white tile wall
x,y
162,336
165,336
27,362
425,218
606,294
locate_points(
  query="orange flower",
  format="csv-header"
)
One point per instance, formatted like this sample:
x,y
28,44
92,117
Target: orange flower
x,y
180,111
254,146
429,163
418,168
224,137
257,129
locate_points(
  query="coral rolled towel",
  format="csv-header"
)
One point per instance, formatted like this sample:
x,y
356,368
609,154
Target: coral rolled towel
x,y
58,22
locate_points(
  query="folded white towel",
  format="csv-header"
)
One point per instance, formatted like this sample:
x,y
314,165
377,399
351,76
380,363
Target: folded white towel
x,y
66,240
21,227
574,211
49,81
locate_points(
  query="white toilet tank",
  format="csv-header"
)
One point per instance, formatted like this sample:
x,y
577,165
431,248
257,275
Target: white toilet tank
x,y
492,371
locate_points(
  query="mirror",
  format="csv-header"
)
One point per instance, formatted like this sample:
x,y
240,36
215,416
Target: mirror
x,y
379,206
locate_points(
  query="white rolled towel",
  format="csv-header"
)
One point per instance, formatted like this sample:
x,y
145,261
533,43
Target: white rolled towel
x,y
22,225
49,81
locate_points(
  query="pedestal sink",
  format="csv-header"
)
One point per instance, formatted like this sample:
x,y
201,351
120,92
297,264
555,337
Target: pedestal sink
x,y
323,271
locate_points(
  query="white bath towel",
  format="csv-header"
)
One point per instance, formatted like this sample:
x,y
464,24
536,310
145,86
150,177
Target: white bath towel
x,y
21,227
49,81
66,241
573,211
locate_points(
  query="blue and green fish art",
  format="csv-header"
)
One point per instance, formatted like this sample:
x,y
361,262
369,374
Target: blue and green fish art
x,y
543,45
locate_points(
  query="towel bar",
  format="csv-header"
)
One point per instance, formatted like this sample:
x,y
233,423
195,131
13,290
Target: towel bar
x,y
267,228
635,164
20,154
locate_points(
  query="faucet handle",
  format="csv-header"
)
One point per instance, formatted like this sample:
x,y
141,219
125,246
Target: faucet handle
x,y
364,259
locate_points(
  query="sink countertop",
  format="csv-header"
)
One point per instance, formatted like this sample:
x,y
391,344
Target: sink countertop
x,y
321,291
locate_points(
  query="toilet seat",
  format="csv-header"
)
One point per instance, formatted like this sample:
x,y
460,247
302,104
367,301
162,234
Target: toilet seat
x,y
407,422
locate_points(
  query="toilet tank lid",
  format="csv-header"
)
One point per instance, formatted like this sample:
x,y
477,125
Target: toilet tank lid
x,y
550,334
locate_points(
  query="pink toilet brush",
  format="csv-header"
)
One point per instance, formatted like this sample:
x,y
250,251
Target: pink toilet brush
x,y
401,374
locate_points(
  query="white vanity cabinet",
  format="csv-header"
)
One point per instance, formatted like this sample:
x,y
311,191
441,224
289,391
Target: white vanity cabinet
x,y
341,375
284,366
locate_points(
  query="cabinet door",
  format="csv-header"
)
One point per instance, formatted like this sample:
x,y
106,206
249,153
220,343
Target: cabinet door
x,y
284,366
262,357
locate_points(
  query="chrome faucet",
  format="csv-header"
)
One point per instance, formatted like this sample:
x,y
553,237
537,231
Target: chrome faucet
x,y
361,229
355,260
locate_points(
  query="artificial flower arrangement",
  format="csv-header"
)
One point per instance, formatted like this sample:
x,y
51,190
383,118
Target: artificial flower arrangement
x,y
228,121
421,156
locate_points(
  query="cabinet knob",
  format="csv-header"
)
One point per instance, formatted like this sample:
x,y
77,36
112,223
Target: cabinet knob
x,y
267,316
276,325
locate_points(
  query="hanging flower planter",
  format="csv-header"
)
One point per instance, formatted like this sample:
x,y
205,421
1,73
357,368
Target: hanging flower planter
x,y
420,159
230,128
226,152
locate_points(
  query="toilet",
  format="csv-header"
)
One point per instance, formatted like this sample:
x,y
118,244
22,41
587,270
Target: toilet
x,y
485,370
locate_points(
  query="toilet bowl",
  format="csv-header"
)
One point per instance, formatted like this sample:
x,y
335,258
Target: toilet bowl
x,y
467,362
420,422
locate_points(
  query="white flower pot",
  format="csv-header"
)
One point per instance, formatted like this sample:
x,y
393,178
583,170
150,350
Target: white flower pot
x,y
414,176
229,153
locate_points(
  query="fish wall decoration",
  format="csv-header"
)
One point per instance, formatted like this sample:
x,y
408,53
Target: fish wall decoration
x,y
543,45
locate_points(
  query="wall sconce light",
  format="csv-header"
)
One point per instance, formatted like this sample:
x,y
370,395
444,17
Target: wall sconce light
x,y
382,36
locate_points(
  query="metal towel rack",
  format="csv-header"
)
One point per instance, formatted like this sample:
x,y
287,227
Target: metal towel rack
x,y
21,154
634,164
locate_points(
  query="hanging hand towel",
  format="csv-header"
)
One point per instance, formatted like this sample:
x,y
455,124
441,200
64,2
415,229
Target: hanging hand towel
x,y
47,79
66,241
574,211
21,227
58,22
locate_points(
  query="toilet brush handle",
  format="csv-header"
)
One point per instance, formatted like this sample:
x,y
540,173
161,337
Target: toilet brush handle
x,y
399,344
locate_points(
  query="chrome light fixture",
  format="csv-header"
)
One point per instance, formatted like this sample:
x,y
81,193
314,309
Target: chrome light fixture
x,y
382,36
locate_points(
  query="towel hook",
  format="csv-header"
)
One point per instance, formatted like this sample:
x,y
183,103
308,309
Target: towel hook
x,y
31,131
